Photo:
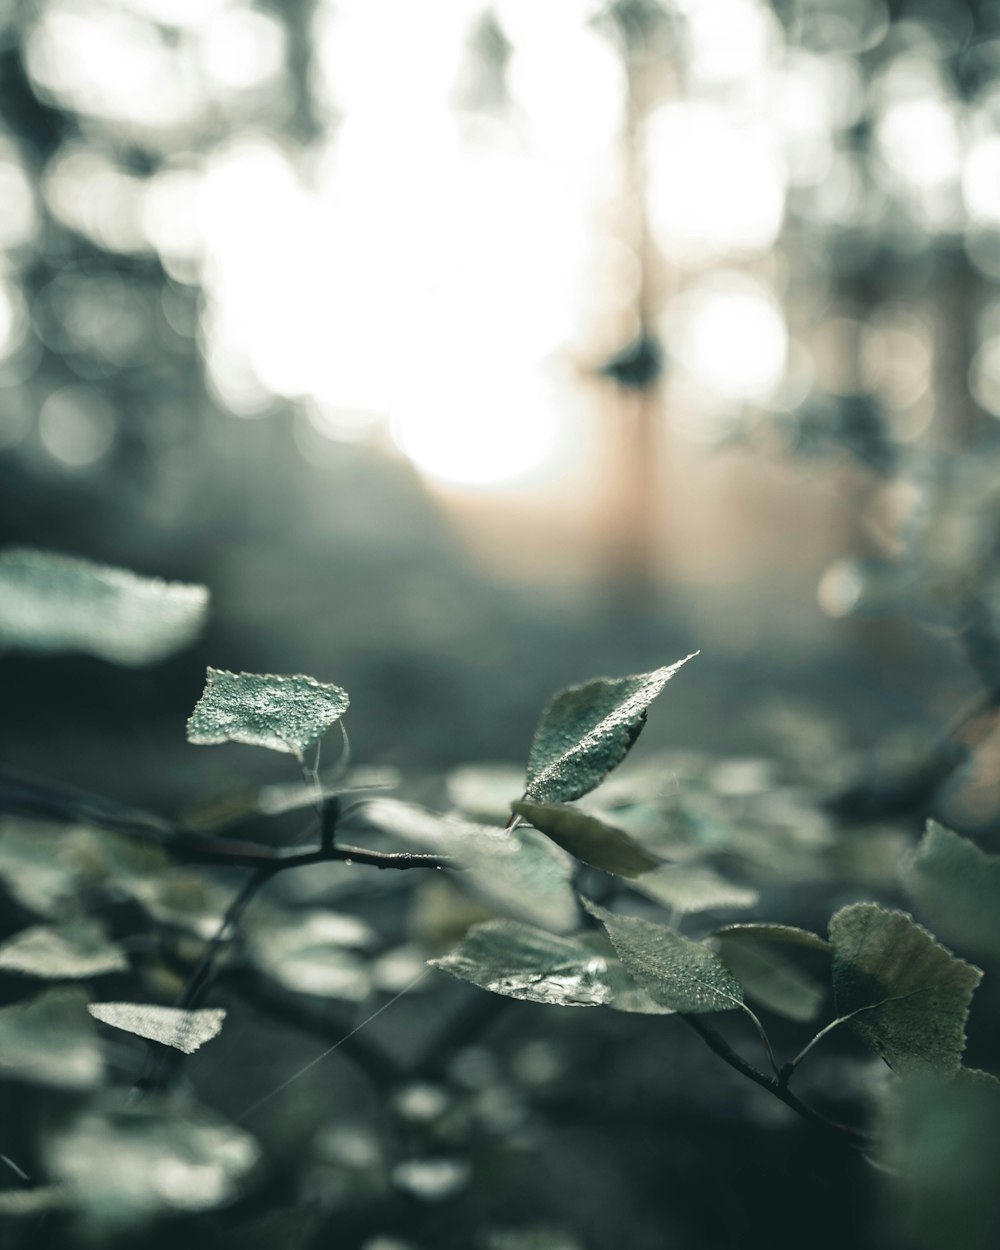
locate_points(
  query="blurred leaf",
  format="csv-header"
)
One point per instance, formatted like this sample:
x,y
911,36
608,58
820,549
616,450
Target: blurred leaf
x,y
957,886
288,1228
172,1026
687,889
49,868
591,840
484,791
520,961
78,948
941,1140
678,973
41,864
30,1203
261,709
769,977
305,951
50,1040
784,933
58,603
903,992
587,730
519,871
180,898
535,1237
124,1167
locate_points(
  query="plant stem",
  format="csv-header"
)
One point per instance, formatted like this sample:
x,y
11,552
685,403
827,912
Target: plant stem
x,y
771,1084
160,1060
766,1042
789,1068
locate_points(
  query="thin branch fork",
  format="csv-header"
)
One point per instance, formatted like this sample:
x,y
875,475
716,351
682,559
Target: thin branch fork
x,y
773,1085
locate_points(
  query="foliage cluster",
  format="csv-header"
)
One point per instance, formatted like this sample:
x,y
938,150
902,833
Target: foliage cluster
x,y
123,925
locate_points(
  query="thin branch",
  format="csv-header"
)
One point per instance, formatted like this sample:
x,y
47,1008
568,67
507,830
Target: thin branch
x,y
772,1085
160,1061
766,1041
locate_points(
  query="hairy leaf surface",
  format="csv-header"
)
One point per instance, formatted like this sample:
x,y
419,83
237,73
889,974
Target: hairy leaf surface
x,y
957,887
591,840
78,948
57,603
50,1040
587,730
172,1026
521,961
686,976
903,992
265,710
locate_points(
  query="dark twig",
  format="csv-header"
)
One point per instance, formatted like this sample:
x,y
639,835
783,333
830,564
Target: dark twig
x,y
772,1085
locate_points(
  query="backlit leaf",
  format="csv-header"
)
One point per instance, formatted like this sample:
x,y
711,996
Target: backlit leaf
x,y
903,992
261,709
50,1040
957,887
587,730
591,840
520,961
678,973
122,1167
172,1026
79,948
52,602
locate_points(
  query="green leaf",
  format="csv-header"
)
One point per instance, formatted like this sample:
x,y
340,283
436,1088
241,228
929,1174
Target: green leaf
x,y
686,976
938,1139
41,864
516,871
78,948
306,951
957,887
171,1026
50,1040
784,933
123,1167
483,792
589,839
264,710
587,730
58,603
903,992
768,977
692,888
521,961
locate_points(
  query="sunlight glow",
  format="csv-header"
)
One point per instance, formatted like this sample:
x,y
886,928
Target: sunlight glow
x,y
716,183
478,425
729,39
729,334
981,180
